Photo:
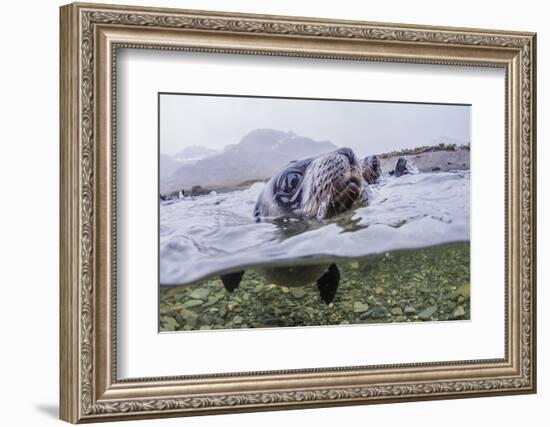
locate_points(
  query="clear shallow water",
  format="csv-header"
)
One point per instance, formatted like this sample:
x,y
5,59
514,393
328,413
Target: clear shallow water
x,y
416,285
205,235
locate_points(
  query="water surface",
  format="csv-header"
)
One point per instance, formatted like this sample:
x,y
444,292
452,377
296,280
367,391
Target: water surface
x,y
205,235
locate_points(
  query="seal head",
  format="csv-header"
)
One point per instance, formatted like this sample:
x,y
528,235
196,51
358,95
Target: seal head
x,y
371,169
318,187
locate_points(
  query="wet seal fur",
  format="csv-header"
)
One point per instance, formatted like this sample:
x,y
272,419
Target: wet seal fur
x,y
371,169
403,167
318,187
314,188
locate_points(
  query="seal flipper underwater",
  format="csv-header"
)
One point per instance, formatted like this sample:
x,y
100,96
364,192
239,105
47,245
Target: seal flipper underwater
x,y
328,283
231,281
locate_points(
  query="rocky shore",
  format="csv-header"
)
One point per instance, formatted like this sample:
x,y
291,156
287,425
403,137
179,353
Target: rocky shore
x,y
406,286
431,161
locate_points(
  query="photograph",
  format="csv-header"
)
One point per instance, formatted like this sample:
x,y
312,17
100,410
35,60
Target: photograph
x,y
280,212
292,187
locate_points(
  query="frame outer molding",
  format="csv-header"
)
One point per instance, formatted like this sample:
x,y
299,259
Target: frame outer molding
x,y
89,389
69,218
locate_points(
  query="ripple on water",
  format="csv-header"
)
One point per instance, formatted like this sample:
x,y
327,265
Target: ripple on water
x,y
208,234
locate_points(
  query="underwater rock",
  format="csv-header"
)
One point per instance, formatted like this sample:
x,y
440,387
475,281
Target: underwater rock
x,y
376,312
214,300
410,310
459,312
464,290
201,293
359,307
192,303
427,313
191,320
297,292
396,311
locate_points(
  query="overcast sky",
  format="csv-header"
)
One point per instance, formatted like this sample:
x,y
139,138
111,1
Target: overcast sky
x,y
366,127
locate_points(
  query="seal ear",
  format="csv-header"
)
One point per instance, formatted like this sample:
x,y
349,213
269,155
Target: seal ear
x,y
328,284
231,281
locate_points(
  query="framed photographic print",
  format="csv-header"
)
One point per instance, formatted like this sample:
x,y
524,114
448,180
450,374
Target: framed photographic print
x,y
266,212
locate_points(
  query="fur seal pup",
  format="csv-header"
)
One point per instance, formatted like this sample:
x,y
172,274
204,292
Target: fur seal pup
x,y
315,188
318,187
404,167
371,169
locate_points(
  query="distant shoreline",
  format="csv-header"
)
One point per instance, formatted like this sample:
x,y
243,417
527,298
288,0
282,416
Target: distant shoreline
x,y
443,160
438,158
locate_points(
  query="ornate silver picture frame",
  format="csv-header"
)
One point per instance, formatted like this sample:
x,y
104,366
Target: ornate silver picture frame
x,y
92,36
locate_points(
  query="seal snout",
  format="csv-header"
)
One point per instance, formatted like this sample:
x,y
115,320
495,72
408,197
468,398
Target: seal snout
x,y
355,187
317,187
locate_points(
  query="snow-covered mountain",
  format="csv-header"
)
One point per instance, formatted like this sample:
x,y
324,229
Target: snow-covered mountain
x,y
171,163
194,153
257,156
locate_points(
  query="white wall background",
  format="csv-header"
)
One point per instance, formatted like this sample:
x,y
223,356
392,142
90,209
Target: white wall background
x,y
29,171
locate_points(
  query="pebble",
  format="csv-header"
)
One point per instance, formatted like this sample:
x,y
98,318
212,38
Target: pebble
x,y
214,300
359,307
462,292
191,320
377,312
396,311
174,291
459,312
192,303
427,313
347,306
410,310
223,310
184,313
379,291
170,321
201,293
297,292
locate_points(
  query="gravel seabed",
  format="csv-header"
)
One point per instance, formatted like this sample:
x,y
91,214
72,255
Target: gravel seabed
x,y
430,284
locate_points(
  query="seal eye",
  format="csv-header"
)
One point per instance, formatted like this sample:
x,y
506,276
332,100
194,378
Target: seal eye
x,y
290,182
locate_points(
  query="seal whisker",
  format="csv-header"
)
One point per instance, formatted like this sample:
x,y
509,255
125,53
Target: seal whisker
x,y
345,193
315,187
